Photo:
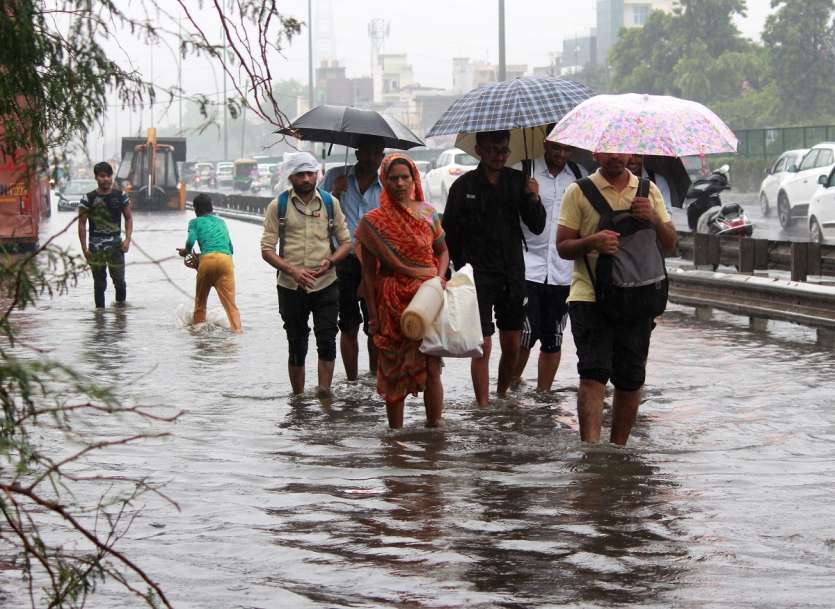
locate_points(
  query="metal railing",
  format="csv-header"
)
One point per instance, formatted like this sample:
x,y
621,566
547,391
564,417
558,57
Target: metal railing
x,y
768,143
749,255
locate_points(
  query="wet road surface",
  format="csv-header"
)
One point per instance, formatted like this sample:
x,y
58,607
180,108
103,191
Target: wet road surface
x,y
722,498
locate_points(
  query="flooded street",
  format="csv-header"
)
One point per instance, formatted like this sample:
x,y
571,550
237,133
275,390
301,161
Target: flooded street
x,y
722,499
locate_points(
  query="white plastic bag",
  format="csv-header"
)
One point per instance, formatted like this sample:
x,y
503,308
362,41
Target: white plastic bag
x,y
456,331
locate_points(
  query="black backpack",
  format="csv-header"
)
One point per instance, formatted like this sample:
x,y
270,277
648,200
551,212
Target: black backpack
x,y
631,284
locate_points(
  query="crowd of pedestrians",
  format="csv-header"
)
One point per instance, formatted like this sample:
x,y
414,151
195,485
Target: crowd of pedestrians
x,y
352,253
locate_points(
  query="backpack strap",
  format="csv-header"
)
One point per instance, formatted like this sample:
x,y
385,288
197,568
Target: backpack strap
x,y
650,175
283,198
601,206
327,199
593,195
575,169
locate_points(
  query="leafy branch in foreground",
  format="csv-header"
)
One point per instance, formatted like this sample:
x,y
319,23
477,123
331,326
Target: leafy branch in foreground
x,y
60,524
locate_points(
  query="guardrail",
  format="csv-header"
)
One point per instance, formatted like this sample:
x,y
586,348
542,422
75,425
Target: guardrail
x,y
749,255
758,298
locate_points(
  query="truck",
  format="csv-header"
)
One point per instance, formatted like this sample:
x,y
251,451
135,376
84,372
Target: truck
x,y
24,200
148,171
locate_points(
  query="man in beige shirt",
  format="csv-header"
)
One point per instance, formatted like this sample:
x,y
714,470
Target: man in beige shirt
x,y
306,262
606,349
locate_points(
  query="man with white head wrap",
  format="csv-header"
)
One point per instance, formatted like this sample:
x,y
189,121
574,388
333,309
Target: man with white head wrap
x,y
304,222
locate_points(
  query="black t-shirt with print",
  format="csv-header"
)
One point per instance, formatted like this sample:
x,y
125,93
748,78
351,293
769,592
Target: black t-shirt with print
x,y
104,217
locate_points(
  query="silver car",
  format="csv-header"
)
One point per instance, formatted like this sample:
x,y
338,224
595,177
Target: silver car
x,y
70,195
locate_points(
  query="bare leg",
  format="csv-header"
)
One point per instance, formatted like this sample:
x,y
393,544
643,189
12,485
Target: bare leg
x,y
372,356
394,412
349,348
624,412
509,340
547,370
519,369
590,409
296,374
433,397
325,376
480,373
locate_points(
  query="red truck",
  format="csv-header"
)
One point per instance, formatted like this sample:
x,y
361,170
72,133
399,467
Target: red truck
x,y
24,200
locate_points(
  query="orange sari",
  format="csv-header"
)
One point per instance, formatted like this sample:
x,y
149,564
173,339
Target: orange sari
x,y
404,242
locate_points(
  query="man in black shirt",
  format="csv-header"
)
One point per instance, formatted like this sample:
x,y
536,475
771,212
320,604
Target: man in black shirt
x,y
481,220
103,209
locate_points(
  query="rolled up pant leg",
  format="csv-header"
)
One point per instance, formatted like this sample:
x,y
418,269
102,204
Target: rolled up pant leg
x,y
325,308
293,305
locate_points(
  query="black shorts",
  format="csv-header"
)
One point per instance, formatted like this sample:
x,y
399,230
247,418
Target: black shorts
x,y
546,312
610,350
295,307
507,295
352,309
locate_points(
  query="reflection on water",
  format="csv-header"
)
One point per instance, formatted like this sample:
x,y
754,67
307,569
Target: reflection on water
x,y
722,498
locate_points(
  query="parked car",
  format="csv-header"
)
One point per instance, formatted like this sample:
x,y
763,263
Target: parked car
x,y
225,175
70,196
796,189
450,164
822,209
775,176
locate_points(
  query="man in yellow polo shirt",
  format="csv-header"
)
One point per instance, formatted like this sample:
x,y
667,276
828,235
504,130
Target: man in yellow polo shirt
x,y
606,349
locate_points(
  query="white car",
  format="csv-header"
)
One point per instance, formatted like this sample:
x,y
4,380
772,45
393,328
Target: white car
x,y
450,164
423,168
822,209
775,175
797,188
225,174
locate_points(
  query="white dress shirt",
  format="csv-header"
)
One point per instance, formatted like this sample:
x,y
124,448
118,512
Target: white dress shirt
x,y
542,262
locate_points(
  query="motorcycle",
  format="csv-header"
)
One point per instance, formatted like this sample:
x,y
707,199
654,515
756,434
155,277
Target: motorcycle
x,y
708,215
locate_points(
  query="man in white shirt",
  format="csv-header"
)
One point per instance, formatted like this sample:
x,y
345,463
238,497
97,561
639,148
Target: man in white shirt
x,y
547,276
637,167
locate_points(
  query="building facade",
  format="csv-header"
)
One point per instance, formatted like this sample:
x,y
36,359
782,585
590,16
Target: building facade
x,y
612,15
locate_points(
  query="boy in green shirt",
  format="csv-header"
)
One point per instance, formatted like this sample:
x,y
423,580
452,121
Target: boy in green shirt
x,y
215,269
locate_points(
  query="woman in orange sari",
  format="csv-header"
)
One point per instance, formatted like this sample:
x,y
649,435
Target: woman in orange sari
x,y
402,245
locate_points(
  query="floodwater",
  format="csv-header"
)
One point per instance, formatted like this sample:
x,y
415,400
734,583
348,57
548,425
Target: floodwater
x,y
723,497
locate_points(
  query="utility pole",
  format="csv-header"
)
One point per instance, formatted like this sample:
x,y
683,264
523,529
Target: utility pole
x,y
502,62
225,112
180,71
243,130
310,54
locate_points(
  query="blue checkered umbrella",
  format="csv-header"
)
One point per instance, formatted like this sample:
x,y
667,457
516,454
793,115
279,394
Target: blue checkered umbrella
x,y
511,104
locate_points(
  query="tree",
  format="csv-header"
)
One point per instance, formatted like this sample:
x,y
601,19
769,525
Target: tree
x,y
56,79
800,39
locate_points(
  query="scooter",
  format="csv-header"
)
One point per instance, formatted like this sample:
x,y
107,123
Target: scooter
x,y
708,215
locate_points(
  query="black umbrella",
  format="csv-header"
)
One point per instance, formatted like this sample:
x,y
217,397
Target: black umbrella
x,y
345,125
674,172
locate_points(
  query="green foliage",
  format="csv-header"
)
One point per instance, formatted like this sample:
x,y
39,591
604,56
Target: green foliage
x,y
800,38
57,80
698,53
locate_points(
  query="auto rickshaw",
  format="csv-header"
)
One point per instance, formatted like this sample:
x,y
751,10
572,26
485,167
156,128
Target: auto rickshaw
x,y
246,175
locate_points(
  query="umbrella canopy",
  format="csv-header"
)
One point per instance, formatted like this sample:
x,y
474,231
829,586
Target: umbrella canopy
x,y
524,144
644,124
511,104
345,125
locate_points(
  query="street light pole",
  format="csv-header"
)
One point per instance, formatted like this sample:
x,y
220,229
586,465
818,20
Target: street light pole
x,y
502,64
310,54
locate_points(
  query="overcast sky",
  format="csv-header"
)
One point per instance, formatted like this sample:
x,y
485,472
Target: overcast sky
x,y
430,32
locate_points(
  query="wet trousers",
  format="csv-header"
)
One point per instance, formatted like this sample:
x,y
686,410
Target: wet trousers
x,y
103,261
216,271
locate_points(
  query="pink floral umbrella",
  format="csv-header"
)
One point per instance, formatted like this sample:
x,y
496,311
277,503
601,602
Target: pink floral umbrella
x,y
644,124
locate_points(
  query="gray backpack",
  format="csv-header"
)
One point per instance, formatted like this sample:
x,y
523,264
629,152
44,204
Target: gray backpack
x,y
631,284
